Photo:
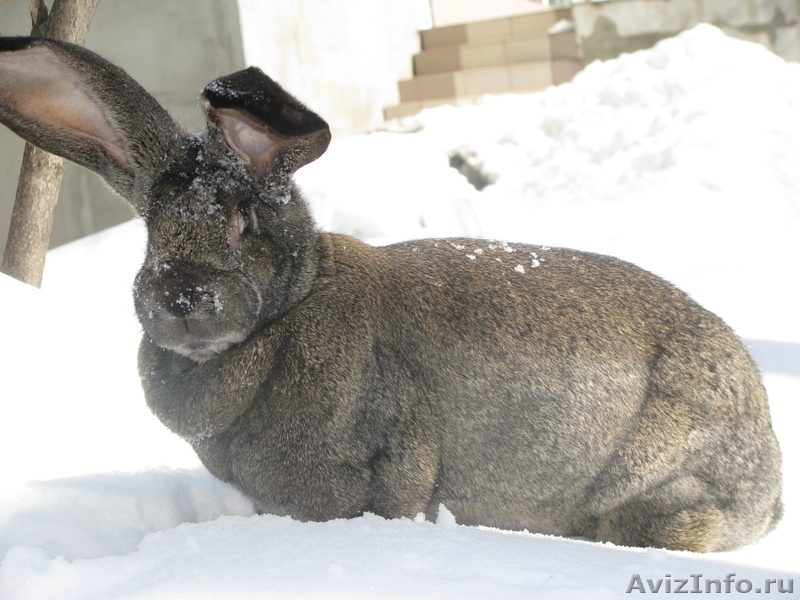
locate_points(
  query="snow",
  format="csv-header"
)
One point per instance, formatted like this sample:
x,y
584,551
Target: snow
x,y
682,159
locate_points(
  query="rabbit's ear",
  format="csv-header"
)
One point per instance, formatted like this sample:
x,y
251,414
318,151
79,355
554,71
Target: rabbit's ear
x,y
262,123
69,101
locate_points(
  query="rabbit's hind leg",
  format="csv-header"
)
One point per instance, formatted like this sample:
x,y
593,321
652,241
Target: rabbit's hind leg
x,y
691,512
664,520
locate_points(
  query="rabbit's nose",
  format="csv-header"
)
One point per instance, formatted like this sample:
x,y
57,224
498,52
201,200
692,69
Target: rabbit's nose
x,y
191,301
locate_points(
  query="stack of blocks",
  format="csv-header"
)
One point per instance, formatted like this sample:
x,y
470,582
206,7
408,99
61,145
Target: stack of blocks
x,y
460,63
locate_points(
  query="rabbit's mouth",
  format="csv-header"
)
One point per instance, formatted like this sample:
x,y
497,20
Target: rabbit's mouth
x,y
198,347
201,352
197,334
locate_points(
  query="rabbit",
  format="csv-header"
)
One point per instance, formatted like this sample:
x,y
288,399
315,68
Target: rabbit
x,y
522,387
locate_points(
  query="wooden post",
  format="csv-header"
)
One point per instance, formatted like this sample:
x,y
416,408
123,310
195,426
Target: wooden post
x,y
41,172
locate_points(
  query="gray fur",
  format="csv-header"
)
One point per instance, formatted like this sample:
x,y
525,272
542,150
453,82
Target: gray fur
x,y
522,387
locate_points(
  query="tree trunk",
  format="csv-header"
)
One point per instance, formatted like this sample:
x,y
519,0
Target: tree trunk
x,y
41,172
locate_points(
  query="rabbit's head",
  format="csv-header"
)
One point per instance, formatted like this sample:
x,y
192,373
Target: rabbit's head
x,y
231,244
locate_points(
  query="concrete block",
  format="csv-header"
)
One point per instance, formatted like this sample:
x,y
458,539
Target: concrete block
x,y
564,45
482,55
534,23
484,81
430,87
564,70
402,110
489,30
437,60
408,90
530,77
444,36
528,48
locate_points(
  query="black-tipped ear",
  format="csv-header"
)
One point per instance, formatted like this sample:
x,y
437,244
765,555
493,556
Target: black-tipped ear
x,y
262,123
69,101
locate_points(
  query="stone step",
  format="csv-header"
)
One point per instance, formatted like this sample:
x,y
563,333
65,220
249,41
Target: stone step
x,y
519,49
495,29
464,87
459,64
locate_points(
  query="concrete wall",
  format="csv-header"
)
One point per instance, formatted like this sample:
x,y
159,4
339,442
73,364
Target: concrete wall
x,y
341,57
607,29
172,48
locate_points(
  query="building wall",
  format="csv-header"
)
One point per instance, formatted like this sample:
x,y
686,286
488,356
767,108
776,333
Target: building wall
x,y
341,57
607,29
172,48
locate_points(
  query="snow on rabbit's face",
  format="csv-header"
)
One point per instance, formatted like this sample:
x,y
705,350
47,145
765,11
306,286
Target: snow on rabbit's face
x,y
201,288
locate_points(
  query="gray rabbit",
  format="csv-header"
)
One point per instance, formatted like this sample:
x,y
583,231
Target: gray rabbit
x,y
523,387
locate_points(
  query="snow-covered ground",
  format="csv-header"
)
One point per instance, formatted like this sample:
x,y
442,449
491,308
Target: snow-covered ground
x,y
684,159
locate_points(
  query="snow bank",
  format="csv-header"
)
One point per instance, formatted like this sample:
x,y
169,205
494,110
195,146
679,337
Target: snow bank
x,y
369,557
110,513
681,158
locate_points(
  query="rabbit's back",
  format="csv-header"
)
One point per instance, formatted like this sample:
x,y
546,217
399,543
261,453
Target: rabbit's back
x,y
566,384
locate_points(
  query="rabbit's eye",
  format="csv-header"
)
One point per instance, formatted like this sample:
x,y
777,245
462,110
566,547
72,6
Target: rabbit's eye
x,y
245,223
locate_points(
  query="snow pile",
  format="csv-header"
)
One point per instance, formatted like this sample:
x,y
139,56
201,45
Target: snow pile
x,y
681,158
